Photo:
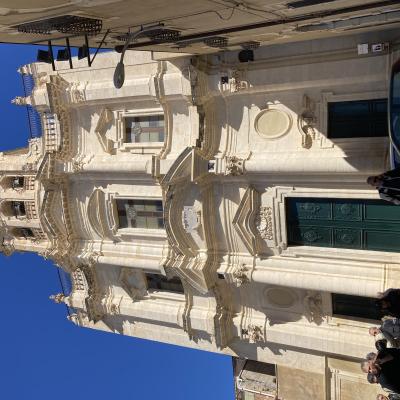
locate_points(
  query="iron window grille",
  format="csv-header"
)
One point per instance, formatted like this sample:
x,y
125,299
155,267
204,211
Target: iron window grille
x,y
67,24
218,42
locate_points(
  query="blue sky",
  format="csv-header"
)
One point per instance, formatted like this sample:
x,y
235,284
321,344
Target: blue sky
x,y
43,356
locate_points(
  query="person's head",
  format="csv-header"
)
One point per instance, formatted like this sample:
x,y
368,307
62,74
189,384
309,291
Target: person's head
x,y
381,397
373,331
371,378
365,366
374,181
382,304
370,356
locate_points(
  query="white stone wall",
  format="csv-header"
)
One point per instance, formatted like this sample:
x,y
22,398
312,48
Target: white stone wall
x,y
246,292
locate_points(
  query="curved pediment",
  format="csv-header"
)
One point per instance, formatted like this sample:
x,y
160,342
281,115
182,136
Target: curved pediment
x,y
97,214
245,221
189,165
186,198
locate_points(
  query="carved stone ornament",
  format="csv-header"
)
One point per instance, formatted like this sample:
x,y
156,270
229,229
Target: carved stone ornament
x,y
29,167
238,81
234,166
8,246
20,101
307,121
58,298
77,166
264,223
94,257
254,333
314,306
73,318
191,219
240,275
77,92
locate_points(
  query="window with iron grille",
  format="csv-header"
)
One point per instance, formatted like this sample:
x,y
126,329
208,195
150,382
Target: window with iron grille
x,y
144,129
139,213
362,118
161,282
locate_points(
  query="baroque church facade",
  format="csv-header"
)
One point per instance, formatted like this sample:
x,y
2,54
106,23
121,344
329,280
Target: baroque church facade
x,y
218,205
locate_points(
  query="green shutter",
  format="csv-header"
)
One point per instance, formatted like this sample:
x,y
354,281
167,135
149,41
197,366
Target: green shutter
x,y
343,223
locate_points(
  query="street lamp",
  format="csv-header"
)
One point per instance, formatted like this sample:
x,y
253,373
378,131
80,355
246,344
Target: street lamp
x,y
119,73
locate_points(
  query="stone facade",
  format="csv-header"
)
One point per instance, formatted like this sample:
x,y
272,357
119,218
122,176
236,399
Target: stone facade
x,y
236,142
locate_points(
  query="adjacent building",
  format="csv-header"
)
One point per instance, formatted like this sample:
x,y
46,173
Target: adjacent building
x,y
218,204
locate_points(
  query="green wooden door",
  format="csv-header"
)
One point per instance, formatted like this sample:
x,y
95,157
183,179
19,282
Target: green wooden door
x,y
343,223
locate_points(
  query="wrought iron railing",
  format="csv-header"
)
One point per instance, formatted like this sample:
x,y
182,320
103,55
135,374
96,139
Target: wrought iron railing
x,y
66,287
34,119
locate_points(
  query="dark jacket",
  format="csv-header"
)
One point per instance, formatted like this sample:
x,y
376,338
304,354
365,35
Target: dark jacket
x,y
392,296
390,371
389,190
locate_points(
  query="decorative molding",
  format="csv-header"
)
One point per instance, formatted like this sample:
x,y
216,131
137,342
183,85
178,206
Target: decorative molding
x,y
273,122
103,124
244,220
84,280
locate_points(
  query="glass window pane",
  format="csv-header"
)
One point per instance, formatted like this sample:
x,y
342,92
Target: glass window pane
x,y
364,118
355,306
161,282
140,213
152,222
144,129
139,222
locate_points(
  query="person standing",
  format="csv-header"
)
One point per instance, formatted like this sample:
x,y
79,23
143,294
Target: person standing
x,y
388,185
